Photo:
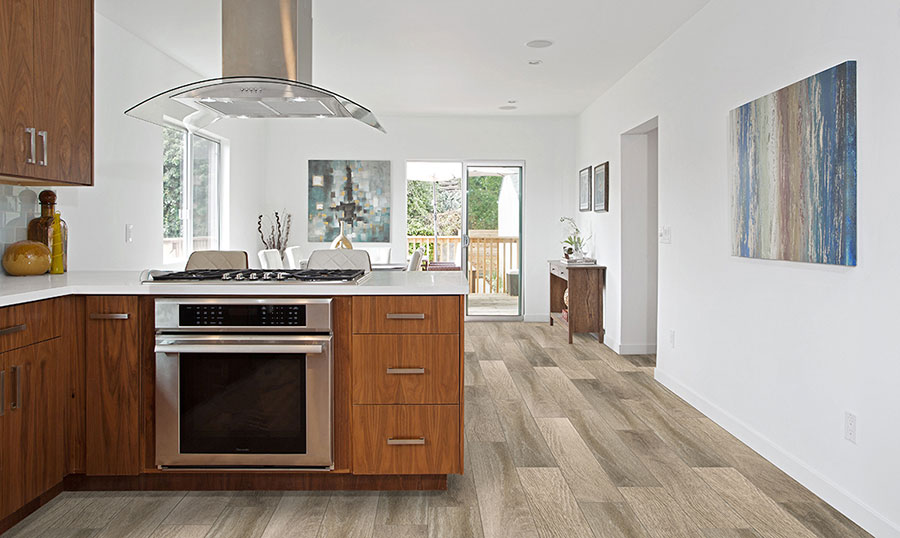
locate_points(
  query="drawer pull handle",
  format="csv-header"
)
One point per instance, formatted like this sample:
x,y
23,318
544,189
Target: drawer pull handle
x,y
2,392
405,371
95,315
17,394
416,441
13,329
406,316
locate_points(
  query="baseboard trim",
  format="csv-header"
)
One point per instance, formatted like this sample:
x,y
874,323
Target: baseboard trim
x,y
845,502
637,349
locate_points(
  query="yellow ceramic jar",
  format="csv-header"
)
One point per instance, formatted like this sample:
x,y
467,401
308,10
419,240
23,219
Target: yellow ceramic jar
x,y
27,258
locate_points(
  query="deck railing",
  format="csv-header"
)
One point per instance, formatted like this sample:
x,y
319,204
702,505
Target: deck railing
x,y
491,259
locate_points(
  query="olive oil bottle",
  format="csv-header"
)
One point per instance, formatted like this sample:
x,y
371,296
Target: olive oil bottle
x,y
41,228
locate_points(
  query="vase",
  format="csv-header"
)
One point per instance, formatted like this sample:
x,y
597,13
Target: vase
x,y
342,241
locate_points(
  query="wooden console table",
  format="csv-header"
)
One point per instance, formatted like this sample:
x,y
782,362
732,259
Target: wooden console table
x,y
585,284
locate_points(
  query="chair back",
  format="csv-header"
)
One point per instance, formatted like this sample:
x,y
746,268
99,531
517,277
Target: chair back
x,y
217,259
377,254
270,259
339,259
293,256
415,260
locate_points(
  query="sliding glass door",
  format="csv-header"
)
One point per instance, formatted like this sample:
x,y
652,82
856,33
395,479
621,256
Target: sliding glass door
x,y
468,217
492,240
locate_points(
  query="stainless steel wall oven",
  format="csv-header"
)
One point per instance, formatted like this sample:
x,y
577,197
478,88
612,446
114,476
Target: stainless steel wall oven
x,y
243,383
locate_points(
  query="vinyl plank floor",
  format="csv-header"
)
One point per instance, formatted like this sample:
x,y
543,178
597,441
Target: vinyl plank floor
x,y
587,479
561,440
555,510
504,509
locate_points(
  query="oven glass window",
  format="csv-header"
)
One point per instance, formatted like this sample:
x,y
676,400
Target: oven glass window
x,y
242,403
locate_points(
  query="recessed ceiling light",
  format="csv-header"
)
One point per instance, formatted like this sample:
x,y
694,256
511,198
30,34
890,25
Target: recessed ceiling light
x,y
535,62
539,43
512,101
508,107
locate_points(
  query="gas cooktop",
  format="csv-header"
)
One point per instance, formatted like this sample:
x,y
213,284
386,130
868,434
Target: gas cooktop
x,y
315,276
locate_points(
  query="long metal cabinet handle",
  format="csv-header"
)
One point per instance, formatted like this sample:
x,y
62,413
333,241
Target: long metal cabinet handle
x,y
416,441
405,316
2,392
95,315
402,371
31,159
43,135
13,329
238,348
17,394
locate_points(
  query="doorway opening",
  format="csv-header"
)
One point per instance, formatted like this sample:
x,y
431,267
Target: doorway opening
x,y
640,260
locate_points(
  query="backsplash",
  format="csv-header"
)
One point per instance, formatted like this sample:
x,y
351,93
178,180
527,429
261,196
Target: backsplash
x,y
18,205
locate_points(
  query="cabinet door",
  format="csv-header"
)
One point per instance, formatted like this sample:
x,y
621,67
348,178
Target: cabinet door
x,y
112,386
41,411
16,86
12,477
64,83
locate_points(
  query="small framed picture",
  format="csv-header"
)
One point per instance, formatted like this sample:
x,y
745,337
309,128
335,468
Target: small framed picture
x,y
584,189
601,187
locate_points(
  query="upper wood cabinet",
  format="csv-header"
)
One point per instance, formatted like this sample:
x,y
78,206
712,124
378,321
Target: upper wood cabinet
x,y
46,92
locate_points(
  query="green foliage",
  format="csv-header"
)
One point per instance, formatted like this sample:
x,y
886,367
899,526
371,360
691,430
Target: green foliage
x,y
484,192
419,207
173,158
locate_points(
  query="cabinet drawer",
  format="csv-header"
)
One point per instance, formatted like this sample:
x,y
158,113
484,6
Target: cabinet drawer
x,y
406,439
406,314
405,369
25,324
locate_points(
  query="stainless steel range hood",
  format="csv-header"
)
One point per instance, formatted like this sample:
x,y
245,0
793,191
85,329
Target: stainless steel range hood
x,y
266,72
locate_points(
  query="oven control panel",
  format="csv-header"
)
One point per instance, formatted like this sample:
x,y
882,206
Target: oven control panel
x,y
241,315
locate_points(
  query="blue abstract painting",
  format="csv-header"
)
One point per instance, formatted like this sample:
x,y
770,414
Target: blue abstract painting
x,y
355,192
793,168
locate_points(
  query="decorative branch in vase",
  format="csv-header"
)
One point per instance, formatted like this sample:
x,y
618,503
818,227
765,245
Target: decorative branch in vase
x,y
278,230
574,244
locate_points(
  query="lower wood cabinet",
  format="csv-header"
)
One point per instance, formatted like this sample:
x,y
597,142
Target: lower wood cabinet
x,y
32,454
406,439
112,385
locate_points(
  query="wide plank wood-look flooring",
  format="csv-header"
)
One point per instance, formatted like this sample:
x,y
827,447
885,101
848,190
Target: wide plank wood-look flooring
x,y
561,441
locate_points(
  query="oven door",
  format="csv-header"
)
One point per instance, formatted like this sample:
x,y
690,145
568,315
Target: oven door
x,y
243,401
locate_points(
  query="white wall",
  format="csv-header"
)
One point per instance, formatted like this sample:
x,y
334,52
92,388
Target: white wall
x,y
774,351
545,144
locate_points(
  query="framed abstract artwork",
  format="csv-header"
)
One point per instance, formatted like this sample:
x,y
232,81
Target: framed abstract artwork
x,y
792,156
357,193
584,189
601,187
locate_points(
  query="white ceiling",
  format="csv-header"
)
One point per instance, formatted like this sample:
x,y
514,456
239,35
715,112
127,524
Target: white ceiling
x,y
438,57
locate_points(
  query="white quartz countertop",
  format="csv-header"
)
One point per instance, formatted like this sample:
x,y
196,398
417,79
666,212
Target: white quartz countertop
x,y
24,289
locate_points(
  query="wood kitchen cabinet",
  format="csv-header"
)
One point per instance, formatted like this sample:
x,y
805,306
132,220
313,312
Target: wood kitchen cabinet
x,y
112,385
32,457
46,92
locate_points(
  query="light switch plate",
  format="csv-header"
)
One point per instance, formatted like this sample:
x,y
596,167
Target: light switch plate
x,y
129,233
665,234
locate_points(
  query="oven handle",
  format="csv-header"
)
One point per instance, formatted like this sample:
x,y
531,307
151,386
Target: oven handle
x,y
176,347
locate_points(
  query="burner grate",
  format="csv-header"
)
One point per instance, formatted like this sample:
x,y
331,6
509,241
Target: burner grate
x,y
259,275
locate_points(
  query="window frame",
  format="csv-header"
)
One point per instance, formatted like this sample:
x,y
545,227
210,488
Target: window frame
x,y
215,186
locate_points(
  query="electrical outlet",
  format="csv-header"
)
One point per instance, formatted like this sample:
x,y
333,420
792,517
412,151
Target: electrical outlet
x,y
672,338
850,427
665,234
129,233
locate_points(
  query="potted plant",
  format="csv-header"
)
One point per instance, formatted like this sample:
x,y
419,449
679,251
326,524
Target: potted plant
x,y
574,244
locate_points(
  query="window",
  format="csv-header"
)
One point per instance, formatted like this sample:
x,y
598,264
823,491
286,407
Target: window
x,y
190,194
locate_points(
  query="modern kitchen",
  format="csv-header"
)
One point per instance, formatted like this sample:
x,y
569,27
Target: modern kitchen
x,y
283,268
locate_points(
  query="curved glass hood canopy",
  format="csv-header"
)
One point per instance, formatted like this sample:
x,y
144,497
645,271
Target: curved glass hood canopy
x,y
266,66
199,104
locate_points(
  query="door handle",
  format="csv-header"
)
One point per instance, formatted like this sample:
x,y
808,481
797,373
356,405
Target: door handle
x,y
415,441
13,329
43,135
406,316
465,240
31,131
95,315
17,393
405,371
